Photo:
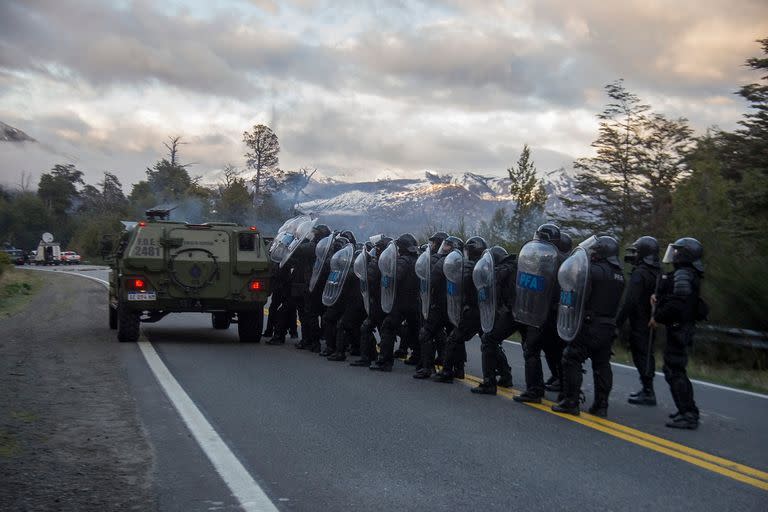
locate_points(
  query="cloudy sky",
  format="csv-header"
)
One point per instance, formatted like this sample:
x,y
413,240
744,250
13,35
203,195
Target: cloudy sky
x,y
358,89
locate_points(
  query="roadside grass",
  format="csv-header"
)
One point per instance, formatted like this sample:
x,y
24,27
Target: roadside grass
x,y
16,290
734,375
744,370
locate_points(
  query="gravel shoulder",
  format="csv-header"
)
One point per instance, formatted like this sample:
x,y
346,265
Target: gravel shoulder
x,y
70,435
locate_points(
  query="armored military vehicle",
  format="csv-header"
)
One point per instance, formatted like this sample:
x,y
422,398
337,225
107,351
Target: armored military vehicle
x,y
160,267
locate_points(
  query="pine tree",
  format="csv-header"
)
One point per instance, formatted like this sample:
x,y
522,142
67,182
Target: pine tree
x,y
262,156
610,184
528,194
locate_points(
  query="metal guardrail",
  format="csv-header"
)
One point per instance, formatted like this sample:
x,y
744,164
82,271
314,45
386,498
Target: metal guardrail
x,y
732,336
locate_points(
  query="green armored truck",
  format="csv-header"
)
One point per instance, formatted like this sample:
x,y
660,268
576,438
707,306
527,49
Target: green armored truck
x,y
160,267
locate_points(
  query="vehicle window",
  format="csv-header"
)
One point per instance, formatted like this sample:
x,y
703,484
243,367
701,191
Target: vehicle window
x,y
246,241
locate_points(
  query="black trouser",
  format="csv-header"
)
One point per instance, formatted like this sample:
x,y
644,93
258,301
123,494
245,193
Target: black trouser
x,y
593,342
348,329
455,348
641,345
313,309
491,346
536,339
679,338
273,314
432,336
367,339
331,320
390,328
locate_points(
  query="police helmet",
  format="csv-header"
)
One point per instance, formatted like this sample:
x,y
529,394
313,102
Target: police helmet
x,y
474,247
407,242
498,254
565,244
685,250
547,232
645,249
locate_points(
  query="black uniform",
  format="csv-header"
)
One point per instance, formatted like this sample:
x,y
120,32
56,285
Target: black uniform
x,y
637,309
469,326
405,309
432,333
281,305
350,318
678,299
375,316
303,261
494,359
595,338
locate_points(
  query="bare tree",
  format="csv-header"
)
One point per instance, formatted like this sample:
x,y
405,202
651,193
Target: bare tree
x,y
173,150
262,156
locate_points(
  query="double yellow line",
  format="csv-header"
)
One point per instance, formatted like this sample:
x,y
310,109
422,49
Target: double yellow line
x,y
725,467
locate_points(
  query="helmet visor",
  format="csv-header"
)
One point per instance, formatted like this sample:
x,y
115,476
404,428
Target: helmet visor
x,y
669,256
589,244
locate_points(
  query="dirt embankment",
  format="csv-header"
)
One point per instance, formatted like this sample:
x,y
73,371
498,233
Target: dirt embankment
x,y
70,437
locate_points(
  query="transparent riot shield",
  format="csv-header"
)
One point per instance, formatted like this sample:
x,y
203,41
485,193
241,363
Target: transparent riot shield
x,y
484,277
302,233
322,251
388,268
423,271
453,268
573,277
537,266
341,261
361,271
285,236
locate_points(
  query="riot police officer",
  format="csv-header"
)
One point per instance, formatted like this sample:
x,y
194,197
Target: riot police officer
x,y
462,306
592,283
643,254
369,276
304,262
344,305
432,287
399,296
677,308
496,269
537,297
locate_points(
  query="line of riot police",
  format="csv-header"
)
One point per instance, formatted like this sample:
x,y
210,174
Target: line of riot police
x,y
563,301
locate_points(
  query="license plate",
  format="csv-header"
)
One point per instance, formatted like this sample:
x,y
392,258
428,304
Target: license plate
x,y
142,296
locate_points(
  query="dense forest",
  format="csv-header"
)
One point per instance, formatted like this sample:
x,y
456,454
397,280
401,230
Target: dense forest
x,y
649,175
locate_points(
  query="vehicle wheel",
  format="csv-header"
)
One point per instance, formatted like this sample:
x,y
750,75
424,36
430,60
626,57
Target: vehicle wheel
x,y
250,324
221,320
112,317
127,324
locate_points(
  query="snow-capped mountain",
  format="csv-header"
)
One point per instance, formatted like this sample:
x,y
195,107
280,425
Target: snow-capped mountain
x,y
10,134
420,205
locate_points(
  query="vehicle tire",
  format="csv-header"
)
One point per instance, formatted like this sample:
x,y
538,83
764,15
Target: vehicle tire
x,y
127,325
221,320
250,324
112,317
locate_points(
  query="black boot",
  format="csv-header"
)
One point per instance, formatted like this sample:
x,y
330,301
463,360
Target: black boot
x,y
553,384
338,356
360,362
599,409
380,366
567,407
645,396
528,397
445,376
423,373
276,340
687,421
505,381
458,371
487,387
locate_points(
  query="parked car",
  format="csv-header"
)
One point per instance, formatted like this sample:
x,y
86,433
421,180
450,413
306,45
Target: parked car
x,y
70,258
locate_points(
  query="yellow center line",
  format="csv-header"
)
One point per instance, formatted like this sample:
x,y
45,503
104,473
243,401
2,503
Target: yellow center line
x,y
725,467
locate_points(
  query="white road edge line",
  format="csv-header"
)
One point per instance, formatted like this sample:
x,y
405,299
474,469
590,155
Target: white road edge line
x,y
699,382
251,496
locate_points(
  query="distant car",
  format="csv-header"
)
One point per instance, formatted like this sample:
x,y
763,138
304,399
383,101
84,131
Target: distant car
x,y
70,258
16,255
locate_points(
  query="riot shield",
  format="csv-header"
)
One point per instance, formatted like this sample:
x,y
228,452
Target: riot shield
x,y
361,271
303,231
388,268
285,236
573,277
322,250
423,271
453,268
484,277
341,261
535,283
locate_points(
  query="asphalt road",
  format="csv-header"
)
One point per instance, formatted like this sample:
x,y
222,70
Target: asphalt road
x,y
316,435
